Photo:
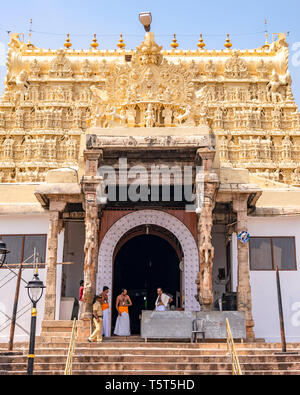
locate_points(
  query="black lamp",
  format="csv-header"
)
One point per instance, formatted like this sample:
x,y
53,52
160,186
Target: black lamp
x,y
3,253
35,289
146,19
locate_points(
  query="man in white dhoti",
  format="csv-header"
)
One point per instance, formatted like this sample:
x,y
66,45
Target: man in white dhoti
x,y
122,327
162,301
106,311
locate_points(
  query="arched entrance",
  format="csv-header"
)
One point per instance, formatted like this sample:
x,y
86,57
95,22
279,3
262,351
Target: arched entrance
x,y
161,219
145,260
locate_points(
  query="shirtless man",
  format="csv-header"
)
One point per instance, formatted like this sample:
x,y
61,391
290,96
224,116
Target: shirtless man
x,y
122,327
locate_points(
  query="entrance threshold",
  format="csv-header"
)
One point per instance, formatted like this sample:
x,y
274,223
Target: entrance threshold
x,y
139,339
117,339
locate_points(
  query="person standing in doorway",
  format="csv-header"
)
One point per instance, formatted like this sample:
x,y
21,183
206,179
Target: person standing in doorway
x,y
105,310
97,319
122,327
162,301
81,288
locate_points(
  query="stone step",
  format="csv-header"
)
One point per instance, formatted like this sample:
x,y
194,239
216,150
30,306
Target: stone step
x,y
91,350
151,359
103,352
97,353
54,340
119,373
126,345
151,366
57,326
51,334
136,358
155,372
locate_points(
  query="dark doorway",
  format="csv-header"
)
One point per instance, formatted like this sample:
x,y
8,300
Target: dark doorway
x,y
142,264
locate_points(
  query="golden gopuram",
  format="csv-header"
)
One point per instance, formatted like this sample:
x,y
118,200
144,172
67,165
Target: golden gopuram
x,y
51,98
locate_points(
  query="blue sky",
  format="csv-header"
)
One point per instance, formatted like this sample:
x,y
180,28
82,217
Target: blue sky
x,y
52,19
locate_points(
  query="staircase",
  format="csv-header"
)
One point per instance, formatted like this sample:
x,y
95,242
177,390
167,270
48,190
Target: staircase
x,y
135,357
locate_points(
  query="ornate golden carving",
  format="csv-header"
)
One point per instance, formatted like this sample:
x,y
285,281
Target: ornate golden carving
x,y
60,66
236,67
51,97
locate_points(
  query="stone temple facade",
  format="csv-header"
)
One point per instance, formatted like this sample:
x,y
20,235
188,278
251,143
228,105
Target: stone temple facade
x,y
229,115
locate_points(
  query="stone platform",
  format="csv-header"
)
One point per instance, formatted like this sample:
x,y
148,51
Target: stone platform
x,y
178,324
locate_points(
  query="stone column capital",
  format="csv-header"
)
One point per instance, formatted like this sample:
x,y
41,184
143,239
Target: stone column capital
x,y
56,205
93,189
92,159
207,156
240,201
92,180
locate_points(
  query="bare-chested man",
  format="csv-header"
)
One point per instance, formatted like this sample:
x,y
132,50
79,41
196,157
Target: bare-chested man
x,y
122,327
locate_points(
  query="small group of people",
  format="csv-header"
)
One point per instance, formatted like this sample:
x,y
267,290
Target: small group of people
x,y
101,315
123,302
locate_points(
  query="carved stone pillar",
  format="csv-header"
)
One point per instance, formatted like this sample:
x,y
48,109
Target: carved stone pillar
x,y
244,298
54,228
91,255
91,206
205,224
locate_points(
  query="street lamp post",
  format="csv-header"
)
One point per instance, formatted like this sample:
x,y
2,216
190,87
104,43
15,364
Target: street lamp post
x,y
146,19
35,290
3,253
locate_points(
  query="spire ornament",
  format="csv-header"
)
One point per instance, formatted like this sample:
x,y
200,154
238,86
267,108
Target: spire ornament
x,y
201,44
29,44
121,43
174,43
267,45
94,43
228,43
68,43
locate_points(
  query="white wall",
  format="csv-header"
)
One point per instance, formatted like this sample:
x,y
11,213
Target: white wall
x,y
25,224
263,283
74,252
219,243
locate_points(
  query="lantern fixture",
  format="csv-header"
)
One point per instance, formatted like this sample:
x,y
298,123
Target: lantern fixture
x,y
146,20
3,253
35,289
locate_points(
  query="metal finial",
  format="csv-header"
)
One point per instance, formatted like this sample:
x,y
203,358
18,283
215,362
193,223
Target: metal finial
x,y
174,43
94,43
201,44
68,43
121,43
228,43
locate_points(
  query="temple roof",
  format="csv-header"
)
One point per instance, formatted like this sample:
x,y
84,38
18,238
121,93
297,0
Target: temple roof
x,y
52,98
